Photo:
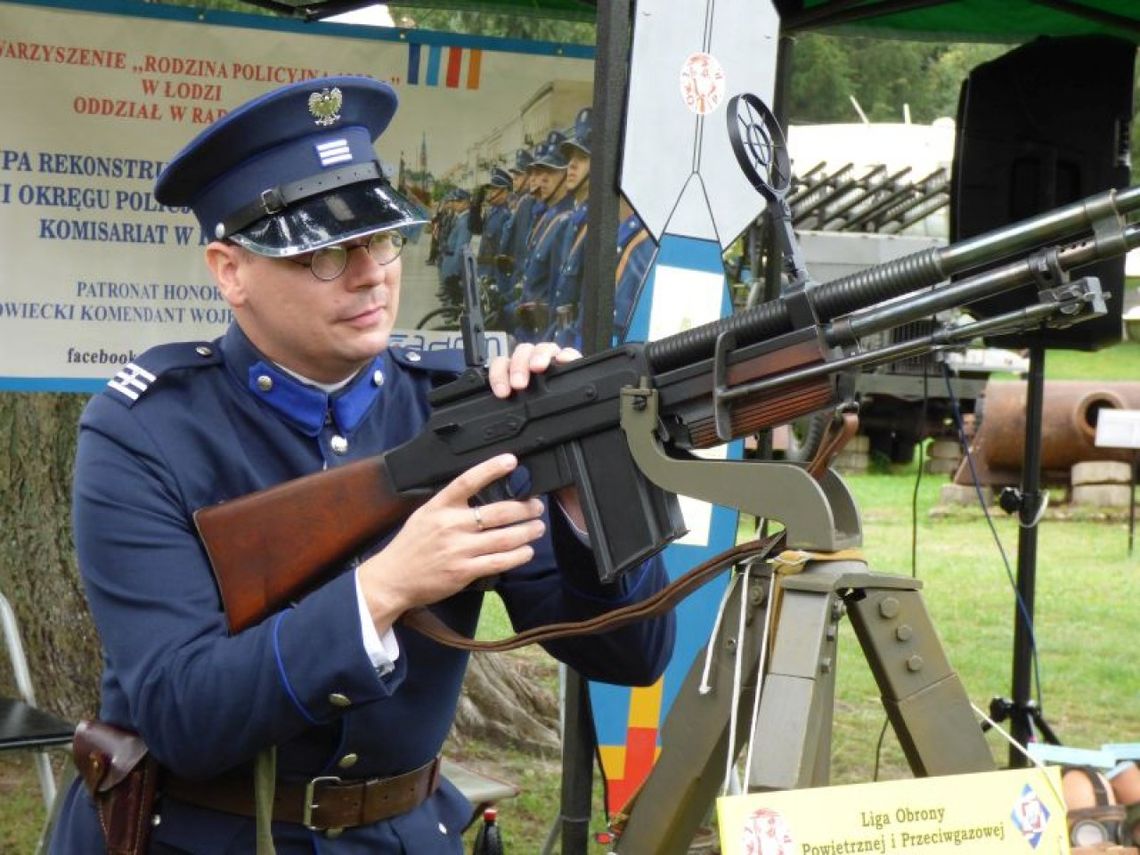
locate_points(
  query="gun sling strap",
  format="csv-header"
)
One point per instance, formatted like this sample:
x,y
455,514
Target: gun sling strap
x,y
427,623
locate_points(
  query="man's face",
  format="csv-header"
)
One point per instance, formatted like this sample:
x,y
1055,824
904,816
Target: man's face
x,y
578,170
324,331
532,186
520,181
497,196
548,181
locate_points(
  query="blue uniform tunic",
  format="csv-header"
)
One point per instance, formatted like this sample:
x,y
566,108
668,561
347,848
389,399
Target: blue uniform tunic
x,y
515,235
541,265
491,243
637,250
635,256
451,250
566,294
189,425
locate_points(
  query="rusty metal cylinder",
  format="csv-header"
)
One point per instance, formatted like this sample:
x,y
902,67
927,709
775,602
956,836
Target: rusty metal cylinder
x,y
1068,428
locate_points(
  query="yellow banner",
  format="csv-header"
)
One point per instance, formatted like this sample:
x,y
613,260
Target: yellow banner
x,y
1017,811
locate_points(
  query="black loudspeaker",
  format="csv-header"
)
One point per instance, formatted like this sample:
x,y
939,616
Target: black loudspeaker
x,y
1041,126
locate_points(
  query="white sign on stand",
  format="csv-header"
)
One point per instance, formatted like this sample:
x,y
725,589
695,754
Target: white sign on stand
x,y
1118,428
1121,429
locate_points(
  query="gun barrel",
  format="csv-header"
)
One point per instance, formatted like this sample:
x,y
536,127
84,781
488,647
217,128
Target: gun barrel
x,y
896,278
1050,226
967,291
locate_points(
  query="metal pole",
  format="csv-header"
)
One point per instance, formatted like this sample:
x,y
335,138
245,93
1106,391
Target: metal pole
x,y
774,265
1021,727
1132,501
611,85
577,766
611,82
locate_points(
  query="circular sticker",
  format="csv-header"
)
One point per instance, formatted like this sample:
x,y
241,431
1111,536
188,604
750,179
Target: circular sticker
x,y
702,83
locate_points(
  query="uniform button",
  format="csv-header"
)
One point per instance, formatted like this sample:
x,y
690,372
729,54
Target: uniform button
x,y
377,378
413,356
339,700
338,444
347,761
442,828
264,382
204,350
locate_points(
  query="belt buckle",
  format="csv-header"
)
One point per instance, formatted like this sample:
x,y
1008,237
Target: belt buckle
x,y
307,808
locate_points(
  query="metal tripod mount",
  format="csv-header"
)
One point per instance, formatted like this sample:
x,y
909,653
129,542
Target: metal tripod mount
x,y
924,699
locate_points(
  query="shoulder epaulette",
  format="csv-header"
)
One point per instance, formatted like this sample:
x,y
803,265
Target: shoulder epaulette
x,y
136,378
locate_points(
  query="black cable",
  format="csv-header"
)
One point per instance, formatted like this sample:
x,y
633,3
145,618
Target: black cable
x,y
957,413
879,749
918,475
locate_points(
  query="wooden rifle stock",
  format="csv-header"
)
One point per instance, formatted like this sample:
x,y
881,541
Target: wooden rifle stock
x,y
262,558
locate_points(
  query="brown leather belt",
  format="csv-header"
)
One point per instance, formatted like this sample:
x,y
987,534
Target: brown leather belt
x,y
322,803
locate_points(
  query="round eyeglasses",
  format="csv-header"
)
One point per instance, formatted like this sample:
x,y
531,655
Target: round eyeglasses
x,y
327,263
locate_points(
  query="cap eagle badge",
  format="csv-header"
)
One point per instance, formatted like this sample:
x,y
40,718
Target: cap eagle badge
x,y
324,106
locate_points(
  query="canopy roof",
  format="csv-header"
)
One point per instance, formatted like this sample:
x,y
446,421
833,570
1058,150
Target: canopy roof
x,y
967,20
946,20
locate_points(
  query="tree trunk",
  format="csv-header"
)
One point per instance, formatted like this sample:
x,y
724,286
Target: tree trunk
x,y
38,573
505,702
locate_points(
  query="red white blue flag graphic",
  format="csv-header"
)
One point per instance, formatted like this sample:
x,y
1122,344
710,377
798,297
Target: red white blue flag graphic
x,y
453,67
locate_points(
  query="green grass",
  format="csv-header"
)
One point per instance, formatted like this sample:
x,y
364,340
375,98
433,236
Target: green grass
x,y
21,805
1119,362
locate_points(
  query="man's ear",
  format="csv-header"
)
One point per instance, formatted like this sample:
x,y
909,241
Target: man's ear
x,y
224,259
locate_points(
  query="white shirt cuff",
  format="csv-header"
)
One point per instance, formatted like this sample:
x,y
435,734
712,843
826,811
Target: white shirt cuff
x,y
383,650
582,535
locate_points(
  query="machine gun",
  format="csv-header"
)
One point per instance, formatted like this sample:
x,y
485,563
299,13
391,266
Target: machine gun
x,y
620,424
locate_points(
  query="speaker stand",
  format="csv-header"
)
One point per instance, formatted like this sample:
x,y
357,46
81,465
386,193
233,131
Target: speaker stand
x,y
1022,712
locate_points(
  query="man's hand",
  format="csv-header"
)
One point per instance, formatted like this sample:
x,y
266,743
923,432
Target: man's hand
x,y
447,544
508,374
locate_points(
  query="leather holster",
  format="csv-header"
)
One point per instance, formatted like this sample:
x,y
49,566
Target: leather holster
x,y
121,777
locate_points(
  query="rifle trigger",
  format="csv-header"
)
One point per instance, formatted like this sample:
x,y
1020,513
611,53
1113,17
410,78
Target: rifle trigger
x,y
496,491
515,485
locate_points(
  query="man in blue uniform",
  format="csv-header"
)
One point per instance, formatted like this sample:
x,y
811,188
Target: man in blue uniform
x,y
493,223
636,252
567,288
532,309
341,710
525,207
451,248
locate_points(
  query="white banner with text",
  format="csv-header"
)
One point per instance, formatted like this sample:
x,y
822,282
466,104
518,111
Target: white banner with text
x,y
95,271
